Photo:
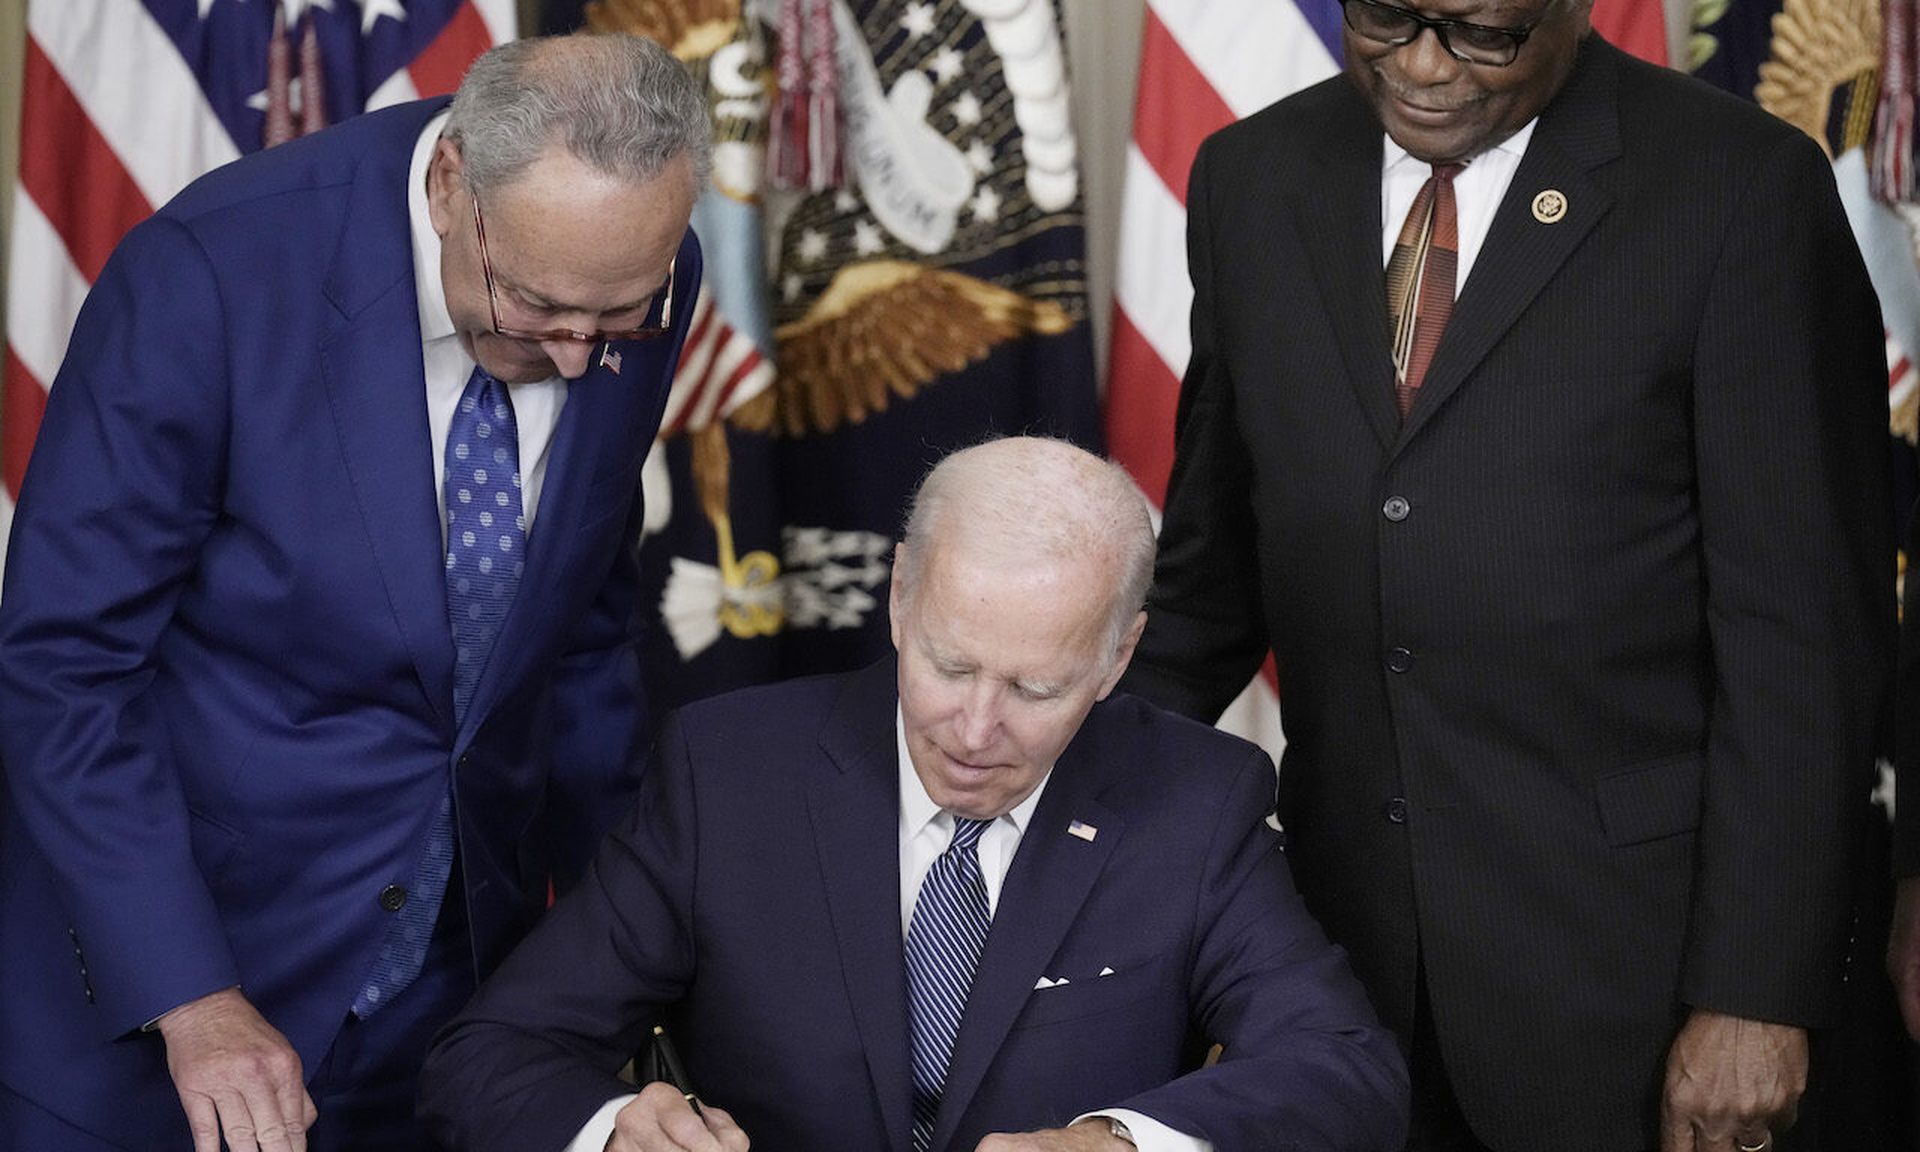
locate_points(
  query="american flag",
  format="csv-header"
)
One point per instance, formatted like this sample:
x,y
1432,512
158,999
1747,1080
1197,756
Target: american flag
x,y
1203,65
126,101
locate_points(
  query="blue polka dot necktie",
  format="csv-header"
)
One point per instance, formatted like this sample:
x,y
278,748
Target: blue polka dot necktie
x,y
949,927
485,557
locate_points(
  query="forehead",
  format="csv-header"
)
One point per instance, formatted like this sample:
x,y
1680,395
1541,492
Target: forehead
x,y
1041,621
567,228
1496,13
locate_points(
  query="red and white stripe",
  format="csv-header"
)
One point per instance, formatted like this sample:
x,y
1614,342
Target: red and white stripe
x,y
720,369
113,123
1203,64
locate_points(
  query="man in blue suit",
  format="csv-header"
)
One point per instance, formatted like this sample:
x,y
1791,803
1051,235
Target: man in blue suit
x,y
956,894
316,652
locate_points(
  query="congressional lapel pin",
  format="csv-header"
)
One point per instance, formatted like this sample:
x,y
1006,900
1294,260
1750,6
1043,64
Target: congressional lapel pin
x,y
1083,830
1550,206
611,359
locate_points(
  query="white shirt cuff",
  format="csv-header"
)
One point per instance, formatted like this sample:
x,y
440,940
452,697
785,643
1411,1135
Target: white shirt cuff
x,y
1149,1134
595,1133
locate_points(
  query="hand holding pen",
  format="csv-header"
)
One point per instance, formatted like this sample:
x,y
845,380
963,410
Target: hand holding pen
x,y
668,1116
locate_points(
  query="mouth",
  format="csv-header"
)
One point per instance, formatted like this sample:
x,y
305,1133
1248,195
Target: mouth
x,y
1433,115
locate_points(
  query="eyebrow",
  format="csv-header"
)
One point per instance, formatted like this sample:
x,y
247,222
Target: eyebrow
x,y
545,304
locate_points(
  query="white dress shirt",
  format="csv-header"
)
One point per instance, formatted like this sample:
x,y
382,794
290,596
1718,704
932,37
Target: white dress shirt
x,y
925,832
536,406
1477,192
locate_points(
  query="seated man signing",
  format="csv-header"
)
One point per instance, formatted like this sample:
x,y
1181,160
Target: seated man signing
x,y
956,894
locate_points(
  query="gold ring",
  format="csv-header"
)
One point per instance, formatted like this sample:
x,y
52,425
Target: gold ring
x,y
1766,1138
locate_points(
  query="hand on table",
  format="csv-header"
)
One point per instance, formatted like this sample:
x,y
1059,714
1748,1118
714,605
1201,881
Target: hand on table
x,y
660,1119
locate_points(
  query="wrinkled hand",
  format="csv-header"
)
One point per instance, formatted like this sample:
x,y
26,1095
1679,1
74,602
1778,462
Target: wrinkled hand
x,y
1091,1135
1903,952
236,1074
661,1120
1730,1082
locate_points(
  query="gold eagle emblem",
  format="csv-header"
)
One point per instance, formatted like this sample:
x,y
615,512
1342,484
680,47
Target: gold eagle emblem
x,y
886,328
1820,50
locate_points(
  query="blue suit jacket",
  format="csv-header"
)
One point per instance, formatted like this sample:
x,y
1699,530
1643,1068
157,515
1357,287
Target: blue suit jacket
x,y
752,901
226,688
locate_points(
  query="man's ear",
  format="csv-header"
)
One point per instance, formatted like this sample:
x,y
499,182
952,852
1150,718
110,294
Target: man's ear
x,y
445,188
1123,655
895,593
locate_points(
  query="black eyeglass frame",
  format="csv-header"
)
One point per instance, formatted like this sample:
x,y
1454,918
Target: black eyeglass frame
x,y
1441,28
663,302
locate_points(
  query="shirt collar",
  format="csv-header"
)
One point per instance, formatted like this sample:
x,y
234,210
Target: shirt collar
x,y
917,809
436,323
1514,145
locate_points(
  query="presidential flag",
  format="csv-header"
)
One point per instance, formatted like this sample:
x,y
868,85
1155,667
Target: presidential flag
x,y
896,268
126,101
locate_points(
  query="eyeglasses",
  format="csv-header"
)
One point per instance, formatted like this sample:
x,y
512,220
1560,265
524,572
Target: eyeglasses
x,y
1473,43
658,321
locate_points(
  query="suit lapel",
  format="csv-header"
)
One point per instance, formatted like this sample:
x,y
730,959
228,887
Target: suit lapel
x,y
855,812
1578,132
1338,220
372,368
1051,875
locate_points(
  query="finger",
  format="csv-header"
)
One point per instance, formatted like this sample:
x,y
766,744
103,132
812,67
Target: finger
x,y
687,1129
203,1120
1908,985
721,1125
271,1130
1676,1131
296,1109
236,1121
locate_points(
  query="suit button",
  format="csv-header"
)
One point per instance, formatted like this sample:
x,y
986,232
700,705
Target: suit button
x,y
1399,660
1396,508
392,897
1396,810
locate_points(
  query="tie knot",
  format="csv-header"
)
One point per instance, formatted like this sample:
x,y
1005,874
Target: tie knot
x,y
1447,171
966,833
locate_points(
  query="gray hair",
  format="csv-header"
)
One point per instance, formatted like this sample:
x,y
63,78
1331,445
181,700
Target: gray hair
x,y
1024,499
620,104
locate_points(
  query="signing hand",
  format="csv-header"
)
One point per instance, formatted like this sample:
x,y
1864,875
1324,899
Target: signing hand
x,y
661,1120
1090,1135
1903,952
1730,1083
236,1074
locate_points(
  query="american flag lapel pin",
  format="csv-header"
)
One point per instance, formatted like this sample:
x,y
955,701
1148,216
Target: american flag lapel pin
x,y
1083,830
609,358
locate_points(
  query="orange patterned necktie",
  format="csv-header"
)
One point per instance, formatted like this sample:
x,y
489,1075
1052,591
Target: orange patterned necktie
x,y
1420,279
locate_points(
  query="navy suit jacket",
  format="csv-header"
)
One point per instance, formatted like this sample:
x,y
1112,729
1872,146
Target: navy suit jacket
x,y
226,686
752,901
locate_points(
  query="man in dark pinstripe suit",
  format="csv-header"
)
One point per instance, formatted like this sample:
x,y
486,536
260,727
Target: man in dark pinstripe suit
x,y
1581,658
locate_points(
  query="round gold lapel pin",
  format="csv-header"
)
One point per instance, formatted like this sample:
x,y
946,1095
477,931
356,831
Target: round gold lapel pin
x,y
1549,206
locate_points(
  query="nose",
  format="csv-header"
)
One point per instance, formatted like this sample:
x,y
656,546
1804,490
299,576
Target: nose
x,y
979,716
1425,60
570,358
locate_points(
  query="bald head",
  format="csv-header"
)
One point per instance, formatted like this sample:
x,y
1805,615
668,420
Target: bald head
x,y
1024,502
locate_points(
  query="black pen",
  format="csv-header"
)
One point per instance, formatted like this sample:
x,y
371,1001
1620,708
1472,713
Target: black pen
x,y
676,1075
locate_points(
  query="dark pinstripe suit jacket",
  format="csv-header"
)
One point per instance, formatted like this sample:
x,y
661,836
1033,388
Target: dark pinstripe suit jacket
x,y
1585,723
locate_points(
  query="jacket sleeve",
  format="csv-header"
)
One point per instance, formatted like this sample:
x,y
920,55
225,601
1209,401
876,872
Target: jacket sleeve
x,y
124,487
1791,473
536,1052
1305,1062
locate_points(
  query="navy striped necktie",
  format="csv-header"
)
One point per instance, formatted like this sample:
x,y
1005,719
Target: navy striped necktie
x,y
948,929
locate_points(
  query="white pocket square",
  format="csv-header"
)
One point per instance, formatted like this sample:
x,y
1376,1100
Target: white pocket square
x,y
1043,982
